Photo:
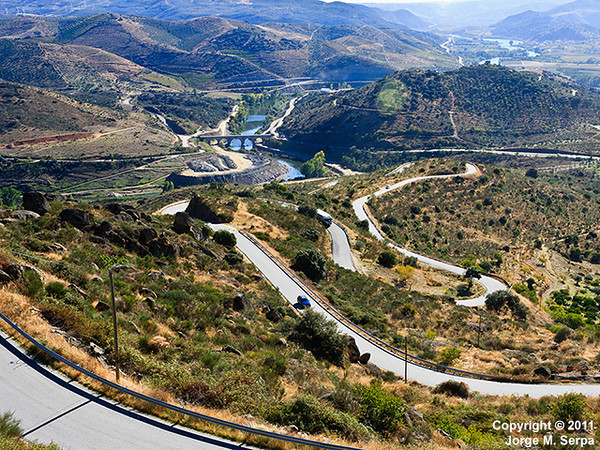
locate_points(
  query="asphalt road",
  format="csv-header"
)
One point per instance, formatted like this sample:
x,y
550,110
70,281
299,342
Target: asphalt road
x,y
381,357
490,284
386,360
53,408
340,247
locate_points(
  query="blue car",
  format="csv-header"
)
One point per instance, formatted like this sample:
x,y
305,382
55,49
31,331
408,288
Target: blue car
x,y
303,302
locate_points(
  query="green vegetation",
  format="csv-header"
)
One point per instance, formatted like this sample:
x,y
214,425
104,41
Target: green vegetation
x,y
319,335
312,263
489,105
315,167
10,197
11,436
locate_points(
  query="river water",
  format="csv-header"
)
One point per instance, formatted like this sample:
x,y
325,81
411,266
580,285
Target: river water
x,y
253,124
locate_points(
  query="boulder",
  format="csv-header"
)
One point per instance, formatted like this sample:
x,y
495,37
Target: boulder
x,y
182,223
4,277
240,302
147,234
77,217
158,343
161,246
208,211
101,306
353,351
132,213
364,358
374,370
36,201
56,248
96,349
77,289
156,275
230,349
96,279
543,372
22,214
582,366
148,293
273,314
149,302
16,271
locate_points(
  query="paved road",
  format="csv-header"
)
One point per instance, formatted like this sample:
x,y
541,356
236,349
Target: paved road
x,y
290,290
490,284
54,408
381,357
340,247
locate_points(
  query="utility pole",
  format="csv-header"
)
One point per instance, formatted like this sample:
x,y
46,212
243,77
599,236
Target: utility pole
x,y
116,268
406,359
114,313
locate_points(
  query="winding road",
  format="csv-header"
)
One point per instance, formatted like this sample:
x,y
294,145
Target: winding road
x,y
490,284
291,287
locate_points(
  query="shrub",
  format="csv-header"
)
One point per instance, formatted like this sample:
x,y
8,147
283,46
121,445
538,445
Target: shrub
x,y
32,283
233,258
308,211
225,238
312,263
380,409
496,301
569,407
411,261
312,416
387,259
562,334
319,335
452,388
9,426
311,234
364,224
448,355
56,289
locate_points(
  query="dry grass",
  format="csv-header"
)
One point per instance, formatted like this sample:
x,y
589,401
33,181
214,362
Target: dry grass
x,y
20,310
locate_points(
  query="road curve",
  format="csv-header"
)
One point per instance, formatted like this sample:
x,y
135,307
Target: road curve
x,y
490,284
290,289
53,408
340,245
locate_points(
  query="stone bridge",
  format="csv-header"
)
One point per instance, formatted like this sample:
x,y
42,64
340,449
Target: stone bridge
x,y
231,137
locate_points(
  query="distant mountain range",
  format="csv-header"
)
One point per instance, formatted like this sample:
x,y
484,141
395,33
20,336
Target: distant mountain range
x,y
207,51
575,21
467,13
255,11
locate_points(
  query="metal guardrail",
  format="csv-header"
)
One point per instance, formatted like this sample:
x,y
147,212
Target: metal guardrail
x,y
169,406
388,348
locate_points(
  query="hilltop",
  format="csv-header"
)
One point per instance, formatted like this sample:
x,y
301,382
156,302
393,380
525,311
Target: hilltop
x,y
474,106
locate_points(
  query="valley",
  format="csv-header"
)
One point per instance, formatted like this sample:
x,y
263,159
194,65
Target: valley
x,y
310,224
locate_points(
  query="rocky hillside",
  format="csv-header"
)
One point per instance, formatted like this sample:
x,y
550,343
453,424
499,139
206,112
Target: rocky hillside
x,y
473,106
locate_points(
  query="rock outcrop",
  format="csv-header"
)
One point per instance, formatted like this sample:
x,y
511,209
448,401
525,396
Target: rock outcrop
x,y
208,210
36,202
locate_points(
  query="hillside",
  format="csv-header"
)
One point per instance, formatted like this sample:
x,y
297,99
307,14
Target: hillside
x,y
205,51
75,67
575,21
34,122
474,106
